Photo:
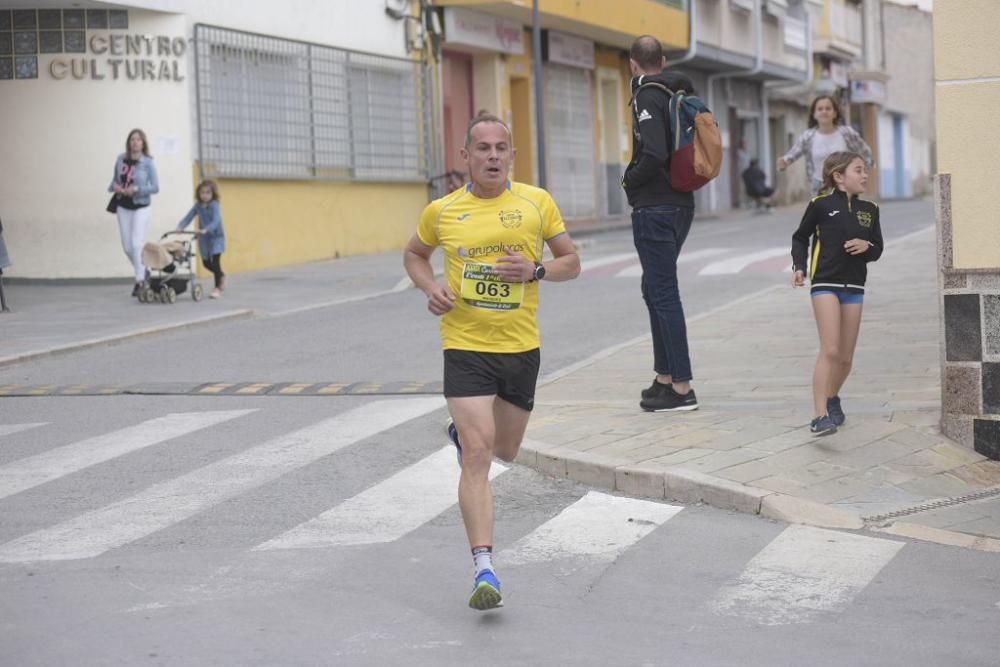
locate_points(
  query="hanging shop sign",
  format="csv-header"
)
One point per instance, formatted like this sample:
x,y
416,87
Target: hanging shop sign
x,y
569,50
863,91
121,56
482,31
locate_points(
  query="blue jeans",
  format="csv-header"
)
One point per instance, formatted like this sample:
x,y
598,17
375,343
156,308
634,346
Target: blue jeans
x,y
659,232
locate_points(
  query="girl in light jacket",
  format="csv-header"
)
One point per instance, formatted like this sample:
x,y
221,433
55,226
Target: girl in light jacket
x,y
212,241
827,134
133,182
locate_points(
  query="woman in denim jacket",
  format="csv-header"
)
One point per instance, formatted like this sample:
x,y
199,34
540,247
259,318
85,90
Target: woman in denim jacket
x,y
827,134
133,182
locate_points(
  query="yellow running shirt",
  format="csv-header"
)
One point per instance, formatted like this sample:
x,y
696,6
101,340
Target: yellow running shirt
x,y
490,315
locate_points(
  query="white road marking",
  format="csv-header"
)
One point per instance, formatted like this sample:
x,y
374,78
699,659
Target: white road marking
x,y
10,429
803,573
403,284
386,511
161,505
740,262
55,463
685,258
598,527
336,302
591,264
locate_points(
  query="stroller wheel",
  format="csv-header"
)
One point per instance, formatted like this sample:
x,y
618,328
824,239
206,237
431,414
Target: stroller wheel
x,y
147,295
170,295
197,292
141,295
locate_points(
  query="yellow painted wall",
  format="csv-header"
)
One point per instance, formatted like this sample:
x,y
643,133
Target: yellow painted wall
x,y
967,95
823,24
667,24
278,223
965,39
629,18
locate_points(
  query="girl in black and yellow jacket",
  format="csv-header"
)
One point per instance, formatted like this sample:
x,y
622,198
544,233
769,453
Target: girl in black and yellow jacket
x,y
846,235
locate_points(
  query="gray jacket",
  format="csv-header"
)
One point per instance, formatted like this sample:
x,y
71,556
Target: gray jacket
x,y
143,177
803,146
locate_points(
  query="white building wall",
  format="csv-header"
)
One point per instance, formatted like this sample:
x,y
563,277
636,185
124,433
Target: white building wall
x,y
61,137
360,25
60,141
725,27
910,91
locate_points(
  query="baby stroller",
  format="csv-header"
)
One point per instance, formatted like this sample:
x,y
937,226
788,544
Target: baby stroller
x,y
169,268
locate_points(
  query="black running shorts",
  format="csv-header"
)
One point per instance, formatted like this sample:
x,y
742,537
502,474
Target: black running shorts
x,y
509,375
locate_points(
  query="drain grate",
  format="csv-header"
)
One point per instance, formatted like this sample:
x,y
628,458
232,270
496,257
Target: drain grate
x,y
934,505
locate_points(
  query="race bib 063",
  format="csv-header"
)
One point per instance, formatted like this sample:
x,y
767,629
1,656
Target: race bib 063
x,y
482,287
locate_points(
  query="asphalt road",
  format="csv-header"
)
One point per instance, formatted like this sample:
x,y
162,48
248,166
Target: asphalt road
x,y
200,530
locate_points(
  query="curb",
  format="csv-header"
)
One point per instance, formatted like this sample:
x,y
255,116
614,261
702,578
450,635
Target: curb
x,y
689,486
115,338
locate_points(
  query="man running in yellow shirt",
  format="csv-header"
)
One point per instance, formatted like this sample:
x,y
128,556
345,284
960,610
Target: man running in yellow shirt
x,y
492,233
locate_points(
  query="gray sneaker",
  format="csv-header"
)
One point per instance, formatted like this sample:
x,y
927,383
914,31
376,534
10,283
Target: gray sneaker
x,y
822,426
835,411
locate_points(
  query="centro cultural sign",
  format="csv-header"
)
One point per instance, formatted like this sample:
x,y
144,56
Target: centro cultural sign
x,y
132,57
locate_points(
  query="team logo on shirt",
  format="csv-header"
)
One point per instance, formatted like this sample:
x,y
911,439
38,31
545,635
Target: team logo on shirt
x,y
511,219
865,218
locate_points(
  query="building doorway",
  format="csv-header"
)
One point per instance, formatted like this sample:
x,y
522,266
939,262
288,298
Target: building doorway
x,y
521,129
457,106
610,127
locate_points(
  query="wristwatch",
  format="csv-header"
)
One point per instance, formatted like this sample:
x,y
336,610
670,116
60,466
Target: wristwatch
x,y
539,271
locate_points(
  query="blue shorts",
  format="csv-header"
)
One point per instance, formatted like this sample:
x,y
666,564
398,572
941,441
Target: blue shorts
x,y
845,298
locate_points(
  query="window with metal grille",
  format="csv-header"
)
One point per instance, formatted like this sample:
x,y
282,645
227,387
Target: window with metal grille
x,y
281,109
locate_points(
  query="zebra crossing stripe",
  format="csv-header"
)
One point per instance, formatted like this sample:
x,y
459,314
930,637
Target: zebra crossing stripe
x,y
598,526
55,463
384,512
635,271
597,262
10,429
804,572
740,262
161,505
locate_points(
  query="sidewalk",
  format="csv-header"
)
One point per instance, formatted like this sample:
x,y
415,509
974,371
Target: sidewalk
x,y
54,316
748,447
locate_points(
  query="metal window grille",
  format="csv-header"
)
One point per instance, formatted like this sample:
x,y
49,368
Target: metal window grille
x,y
273,108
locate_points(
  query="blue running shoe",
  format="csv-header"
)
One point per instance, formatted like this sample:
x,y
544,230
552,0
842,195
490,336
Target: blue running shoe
x,y
453,435
822,426
486,592
835,411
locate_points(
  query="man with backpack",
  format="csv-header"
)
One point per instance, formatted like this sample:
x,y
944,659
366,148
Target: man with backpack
x,y
661,220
